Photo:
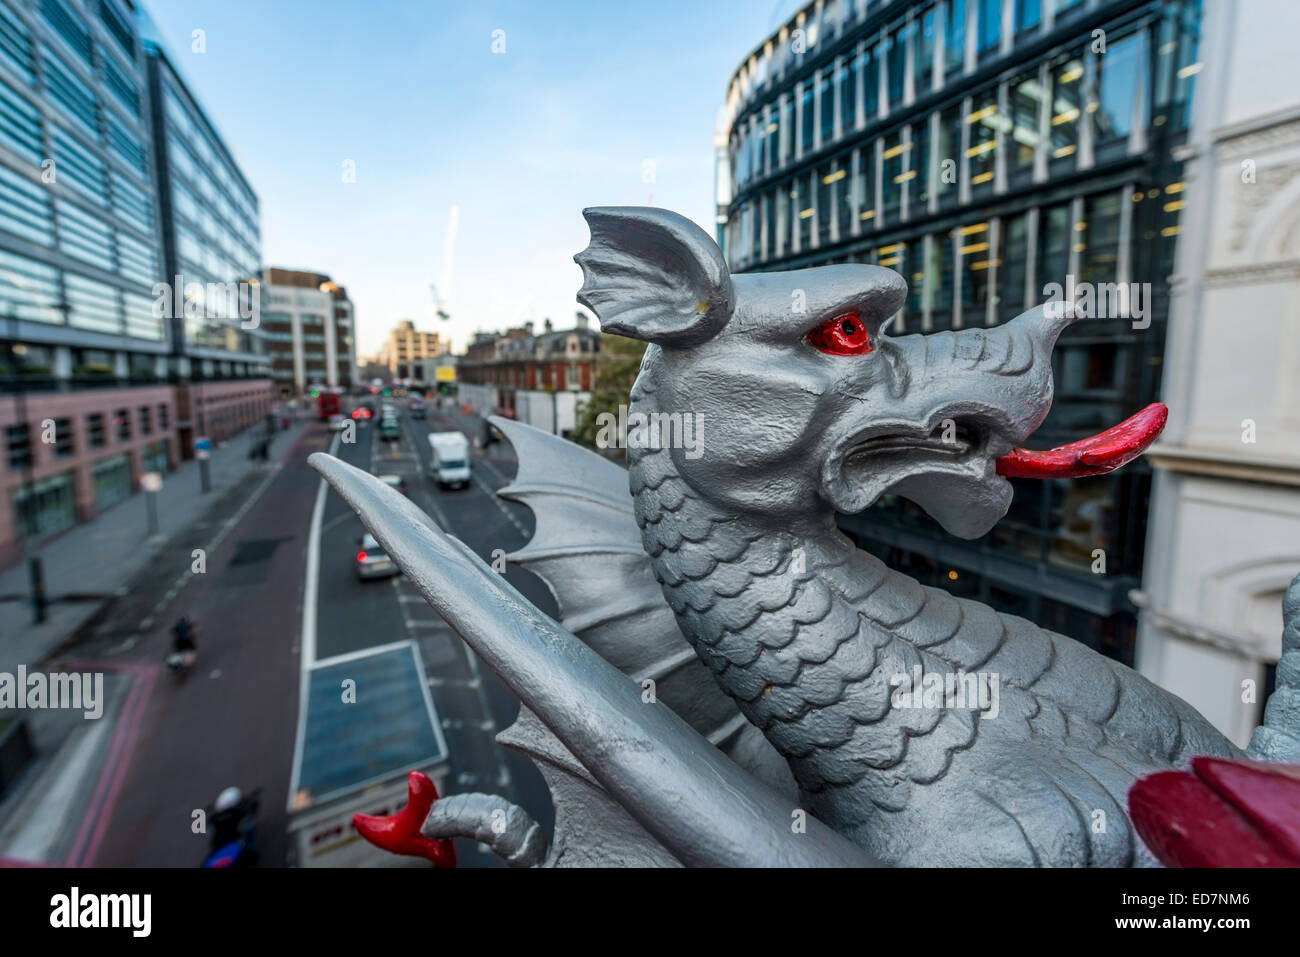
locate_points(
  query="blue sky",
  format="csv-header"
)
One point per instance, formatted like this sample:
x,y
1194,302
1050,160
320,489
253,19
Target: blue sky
x,y
566,117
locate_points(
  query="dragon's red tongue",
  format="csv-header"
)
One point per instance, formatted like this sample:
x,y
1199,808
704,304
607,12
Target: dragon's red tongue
x,y
1095,455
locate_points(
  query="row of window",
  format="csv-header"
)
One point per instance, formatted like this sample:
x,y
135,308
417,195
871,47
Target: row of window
x,y
116,71
59,157
987,271
27,211
35,292
205,166
1030,128
100,429
953,34
1112,89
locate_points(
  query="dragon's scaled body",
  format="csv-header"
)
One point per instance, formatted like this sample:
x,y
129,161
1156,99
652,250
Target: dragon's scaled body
x,y
725,570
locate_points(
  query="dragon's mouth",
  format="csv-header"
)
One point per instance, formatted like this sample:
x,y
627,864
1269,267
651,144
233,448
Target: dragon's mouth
x,y
955,439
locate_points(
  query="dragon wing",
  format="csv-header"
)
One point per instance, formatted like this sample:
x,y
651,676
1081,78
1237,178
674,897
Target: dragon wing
x,y
694,801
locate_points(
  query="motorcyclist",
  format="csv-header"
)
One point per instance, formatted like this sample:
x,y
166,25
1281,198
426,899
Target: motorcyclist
x,y
183,636
231,818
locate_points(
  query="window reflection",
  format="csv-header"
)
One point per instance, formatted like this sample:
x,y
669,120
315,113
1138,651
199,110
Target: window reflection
x,y
948,156
892,171
990,28
954,37
1026,96
1067,86
975,250
1123,69
1014,261
984,122
923,55
1080,520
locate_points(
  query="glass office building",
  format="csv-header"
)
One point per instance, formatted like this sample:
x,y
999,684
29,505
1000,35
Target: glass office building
x,y
83,354
90,224
211,232
79,250
987,149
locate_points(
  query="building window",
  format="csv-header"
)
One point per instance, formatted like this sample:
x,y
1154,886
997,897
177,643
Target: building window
x,y
848,95
1053,253
864,187
122,423
806,121
806,210
146,420
990,28
64,447
923,55
1029,13
869,68
18,440
939,270
896,63
787,129
46,506
975,249
892,176
1099,238
920,158
826,103
824,204
1013,255
954,37
1067,84
1025,98
1123,75
844,194
948,154
914,273
984,122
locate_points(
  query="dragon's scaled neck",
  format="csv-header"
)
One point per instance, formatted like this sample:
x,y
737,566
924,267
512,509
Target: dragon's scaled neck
x,y
779,608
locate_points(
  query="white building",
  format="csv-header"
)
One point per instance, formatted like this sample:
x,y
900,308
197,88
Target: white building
x,y
310,332
1224,536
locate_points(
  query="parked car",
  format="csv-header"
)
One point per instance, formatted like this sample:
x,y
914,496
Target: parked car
x,y
373,562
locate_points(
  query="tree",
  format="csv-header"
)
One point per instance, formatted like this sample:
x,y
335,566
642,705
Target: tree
x,y
616,367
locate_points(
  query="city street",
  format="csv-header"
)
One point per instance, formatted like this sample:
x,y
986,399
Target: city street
x,y
355,614
166,748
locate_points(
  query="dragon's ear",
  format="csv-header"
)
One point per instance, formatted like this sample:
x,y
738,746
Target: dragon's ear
x,y
653,275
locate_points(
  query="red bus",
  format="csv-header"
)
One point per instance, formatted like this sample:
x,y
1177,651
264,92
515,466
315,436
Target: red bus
x,y
329,403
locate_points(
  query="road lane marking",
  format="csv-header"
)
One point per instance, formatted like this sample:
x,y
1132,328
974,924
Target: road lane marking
x,y
492,494
307,635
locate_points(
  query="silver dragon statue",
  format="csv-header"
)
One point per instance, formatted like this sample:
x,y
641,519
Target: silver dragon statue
x,y
727,681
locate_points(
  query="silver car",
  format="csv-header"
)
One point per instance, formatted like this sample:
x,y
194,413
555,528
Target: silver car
x,y
373,562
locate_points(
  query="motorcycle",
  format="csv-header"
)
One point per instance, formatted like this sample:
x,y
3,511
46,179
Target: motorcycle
x,y
183,653
234,837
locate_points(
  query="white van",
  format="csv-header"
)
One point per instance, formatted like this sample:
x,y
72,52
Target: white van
x,y
450,458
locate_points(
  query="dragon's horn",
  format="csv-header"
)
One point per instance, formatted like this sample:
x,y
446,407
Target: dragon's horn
x,y
703,807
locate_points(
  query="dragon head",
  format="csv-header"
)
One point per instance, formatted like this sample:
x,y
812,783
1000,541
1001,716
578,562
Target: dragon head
x,y
795,398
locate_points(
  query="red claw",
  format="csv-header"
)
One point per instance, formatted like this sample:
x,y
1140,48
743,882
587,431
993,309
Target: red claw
x,y
1095,455
400,833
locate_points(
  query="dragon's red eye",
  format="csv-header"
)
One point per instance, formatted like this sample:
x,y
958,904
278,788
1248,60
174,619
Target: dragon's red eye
x,y
844,335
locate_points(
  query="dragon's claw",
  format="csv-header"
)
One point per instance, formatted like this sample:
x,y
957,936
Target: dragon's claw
x,y
400,833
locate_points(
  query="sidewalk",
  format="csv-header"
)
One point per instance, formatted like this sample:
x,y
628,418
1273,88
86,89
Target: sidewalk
x,y
90,563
